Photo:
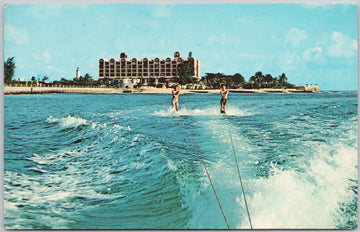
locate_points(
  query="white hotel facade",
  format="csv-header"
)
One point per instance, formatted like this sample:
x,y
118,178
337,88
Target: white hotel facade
x,y
130,72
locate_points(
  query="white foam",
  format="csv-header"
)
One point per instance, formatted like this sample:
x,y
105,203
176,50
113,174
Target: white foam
x,y
118,127
306,195
69,121
171,165
289,199
231,111
51,119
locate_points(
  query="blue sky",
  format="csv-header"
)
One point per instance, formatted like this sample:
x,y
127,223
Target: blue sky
x,y
311,44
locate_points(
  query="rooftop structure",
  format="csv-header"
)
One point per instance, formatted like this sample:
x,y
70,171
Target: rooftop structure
x,y
130,72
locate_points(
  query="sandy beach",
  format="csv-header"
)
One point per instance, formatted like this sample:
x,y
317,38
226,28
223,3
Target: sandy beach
x,y
147,90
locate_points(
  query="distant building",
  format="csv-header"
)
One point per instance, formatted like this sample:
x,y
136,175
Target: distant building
x,y
130,72
78,73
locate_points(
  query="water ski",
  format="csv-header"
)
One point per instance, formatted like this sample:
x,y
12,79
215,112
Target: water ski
x,y
222,111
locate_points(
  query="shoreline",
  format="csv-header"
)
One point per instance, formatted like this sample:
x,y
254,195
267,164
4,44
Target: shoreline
x,y
148,90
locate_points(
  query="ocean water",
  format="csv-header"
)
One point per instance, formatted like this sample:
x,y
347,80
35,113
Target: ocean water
x,y
131,162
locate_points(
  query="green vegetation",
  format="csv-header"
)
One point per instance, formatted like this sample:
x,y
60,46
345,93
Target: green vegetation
x,y
215,80
186,71
257,81
84,80
9,70
63,81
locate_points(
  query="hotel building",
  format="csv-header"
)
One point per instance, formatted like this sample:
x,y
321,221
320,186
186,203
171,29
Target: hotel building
x,y
130,72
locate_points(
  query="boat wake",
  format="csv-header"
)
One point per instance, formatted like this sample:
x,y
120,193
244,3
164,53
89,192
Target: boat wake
x,y
211,111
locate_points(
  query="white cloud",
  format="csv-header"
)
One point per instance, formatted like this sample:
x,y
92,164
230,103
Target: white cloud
x,y
312,53
290,61
218,39
162,42
342,46
212,39
45,56
295,36
16,35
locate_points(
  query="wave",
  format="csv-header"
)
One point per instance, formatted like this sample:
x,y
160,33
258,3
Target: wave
x,y
317,190
68,121
310,198
211,111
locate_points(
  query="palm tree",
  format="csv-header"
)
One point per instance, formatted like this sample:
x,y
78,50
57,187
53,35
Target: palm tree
x,y
282,80
252,80
275,83
9,70
268,79
259,78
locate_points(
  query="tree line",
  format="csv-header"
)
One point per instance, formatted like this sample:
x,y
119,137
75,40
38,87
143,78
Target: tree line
x,y
215,80
257,81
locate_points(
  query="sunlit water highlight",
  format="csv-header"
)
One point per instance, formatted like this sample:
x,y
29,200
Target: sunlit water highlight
x,y
130,162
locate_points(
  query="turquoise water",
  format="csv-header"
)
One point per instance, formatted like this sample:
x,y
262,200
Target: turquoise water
x,y
130,162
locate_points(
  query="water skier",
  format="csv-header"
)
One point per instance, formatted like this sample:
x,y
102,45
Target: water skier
x,y
224,95
175,99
